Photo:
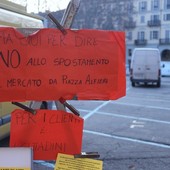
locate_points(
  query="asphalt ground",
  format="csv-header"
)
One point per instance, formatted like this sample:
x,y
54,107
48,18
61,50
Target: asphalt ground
x,y
131,133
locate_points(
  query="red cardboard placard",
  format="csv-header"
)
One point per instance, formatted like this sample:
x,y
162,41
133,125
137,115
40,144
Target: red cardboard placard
x,y
49,132
47,65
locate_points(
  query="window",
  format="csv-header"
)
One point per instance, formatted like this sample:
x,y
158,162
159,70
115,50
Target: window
x,y
167,17
130,52
141,35
129,35
167,4
155,4
129,7
143,6
154,17
154,35
167,34
142,19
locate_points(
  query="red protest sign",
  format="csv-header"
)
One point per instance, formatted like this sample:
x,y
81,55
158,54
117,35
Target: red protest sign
x,y
49,132
47,65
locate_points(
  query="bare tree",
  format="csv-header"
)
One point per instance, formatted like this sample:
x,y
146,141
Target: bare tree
x,y
104,14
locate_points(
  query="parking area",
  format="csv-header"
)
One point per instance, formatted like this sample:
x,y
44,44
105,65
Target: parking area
x,y
130,133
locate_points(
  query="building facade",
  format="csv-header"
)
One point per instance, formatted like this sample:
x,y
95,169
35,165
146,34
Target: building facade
x,y
150,27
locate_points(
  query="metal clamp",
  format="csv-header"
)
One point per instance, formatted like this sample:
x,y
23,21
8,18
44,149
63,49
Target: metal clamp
x,y
59,26
69,106
25,107
87,155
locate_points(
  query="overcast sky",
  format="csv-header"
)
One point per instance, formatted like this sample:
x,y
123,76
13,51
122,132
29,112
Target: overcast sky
x,y
42,5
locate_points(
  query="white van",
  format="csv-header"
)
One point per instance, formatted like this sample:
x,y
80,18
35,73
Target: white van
x,y
145,66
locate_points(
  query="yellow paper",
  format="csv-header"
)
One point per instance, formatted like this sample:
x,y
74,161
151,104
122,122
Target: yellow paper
x,y
13,168
68,162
